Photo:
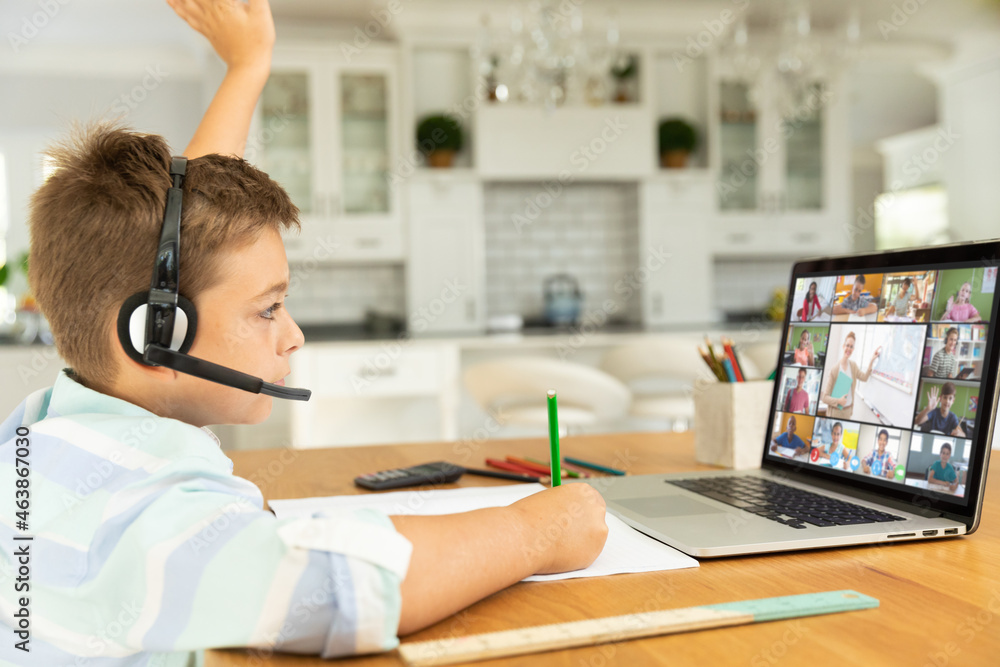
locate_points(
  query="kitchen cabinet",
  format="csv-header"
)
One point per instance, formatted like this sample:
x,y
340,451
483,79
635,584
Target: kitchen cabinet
x,y
675,254
445,275
355,387
327,129
783,179
614,141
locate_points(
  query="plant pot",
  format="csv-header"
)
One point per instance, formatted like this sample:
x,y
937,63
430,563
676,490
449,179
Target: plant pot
x,y
675,159
440,159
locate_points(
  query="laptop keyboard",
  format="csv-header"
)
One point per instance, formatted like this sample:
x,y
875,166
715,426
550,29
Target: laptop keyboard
x,y
785,504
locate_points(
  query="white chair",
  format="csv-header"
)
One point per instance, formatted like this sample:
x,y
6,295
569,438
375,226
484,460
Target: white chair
x,y
661,375
513,390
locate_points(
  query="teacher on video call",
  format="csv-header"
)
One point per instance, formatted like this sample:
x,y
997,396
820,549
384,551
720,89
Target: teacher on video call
x,y
843,406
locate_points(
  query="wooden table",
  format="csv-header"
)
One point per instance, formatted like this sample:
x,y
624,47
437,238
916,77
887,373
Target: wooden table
x,y
940,600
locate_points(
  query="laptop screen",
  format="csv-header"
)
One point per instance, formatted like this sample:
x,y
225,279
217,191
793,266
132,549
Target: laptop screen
x,y
886,377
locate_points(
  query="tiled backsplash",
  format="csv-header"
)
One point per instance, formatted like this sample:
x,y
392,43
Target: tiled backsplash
x,y
590,231
746,285
342,294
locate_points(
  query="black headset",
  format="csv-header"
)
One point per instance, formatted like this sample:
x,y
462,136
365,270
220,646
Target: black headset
x,y
157,328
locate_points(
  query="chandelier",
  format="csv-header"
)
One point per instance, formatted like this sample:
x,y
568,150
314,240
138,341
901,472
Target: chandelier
x,y
545,55
785,65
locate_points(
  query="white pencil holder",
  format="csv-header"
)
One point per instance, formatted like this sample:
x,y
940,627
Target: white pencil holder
x,y
730,421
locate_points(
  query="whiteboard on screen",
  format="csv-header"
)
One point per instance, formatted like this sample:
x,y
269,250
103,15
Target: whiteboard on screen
x,y
902,355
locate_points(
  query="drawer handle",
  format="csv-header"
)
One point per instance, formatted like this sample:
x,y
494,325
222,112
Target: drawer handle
x,y
806,237
366,371
739,238
368,242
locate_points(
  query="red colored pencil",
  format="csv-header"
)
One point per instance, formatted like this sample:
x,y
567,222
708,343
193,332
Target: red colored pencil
x,y
535,467
727,346
512,467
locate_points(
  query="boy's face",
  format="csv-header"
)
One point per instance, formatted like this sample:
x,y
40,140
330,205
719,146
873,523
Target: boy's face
x,y
946,402
242,324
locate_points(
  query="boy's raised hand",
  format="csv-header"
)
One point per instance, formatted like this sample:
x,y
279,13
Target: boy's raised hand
x,y
241,33
932,398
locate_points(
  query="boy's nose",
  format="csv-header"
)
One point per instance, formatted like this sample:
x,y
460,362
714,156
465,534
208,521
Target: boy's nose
x,y
294,339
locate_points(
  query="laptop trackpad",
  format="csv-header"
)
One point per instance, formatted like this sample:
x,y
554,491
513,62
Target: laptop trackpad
x,y
673,505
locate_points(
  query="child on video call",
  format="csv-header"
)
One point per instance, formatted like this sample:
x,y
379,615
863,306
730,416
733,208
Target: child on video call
x,y
937,416
812,305
900,306
880,459
959,308
804,354
141,537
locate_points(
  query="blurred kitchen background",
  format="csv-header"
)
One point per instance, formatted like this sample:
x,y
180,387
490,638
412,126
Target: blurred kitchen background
x,y
487,186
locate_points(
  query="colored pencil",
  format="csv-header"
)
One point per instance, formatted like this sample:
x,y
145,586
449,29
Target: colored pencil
x,y
593,466
512,476
728,365
539,468
727,345
554,458
736,360
565,471
512,467
711,366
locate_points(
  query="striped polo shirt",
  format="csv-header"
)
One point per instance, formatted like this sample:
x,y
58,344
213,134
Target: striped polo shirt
x,y
145,548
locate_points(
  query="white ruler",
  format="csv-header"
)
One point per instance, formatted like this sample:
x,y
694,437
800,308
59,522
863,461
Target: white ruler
x,y
618,628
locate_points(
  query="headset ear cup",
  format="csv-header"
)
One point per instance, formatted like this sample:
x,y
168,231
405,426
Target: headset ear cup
x,y
132,326
188,309
133,345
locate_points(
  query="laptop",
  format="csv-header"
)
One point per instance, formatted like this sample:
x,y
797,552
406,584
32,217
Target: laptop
x,y
885,437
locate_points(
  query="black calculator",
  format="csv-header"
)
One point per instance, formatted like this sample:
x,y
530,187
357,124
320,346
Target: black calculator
x,y
438,472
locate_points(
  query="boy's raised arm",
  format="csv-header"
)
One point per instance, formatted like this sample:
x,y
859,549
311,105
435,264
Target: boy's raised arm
x,y
242,34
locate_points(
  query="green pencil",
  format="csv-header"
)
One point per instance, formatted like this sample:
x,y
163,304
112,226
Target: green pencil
x,y
554,458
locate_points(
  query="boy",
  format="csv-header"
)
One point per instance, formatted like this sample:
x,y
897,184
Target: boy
x,y
937,416
856,303
789,440
880,459
145,546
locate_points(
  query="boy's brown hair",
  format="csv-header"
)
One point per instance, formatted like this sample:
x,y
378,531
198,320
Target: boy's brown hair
x,y
947,389
95,226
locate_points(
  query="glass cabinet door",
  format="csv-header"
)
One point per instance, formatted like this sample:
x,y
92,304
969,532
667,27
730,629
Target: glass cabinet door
x,y
364,132
738,141
285,136
804,154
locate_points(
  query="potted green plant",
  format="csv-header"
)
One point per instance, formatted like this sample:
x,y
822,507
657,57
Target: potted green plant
x,y
624,70
677,139
439,137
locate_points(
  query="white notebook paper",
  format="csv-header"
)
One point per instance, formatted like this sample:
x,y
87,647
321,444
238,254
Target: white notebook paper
x,y
627,550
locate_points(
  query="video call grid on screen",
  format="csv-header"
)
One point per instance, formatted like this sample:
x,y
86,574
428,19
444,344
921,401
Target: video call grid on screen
x,y
881,376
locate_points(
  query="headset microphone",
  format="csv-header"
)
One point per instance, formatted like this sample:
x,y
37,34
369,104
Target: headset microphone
x,y
162,323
